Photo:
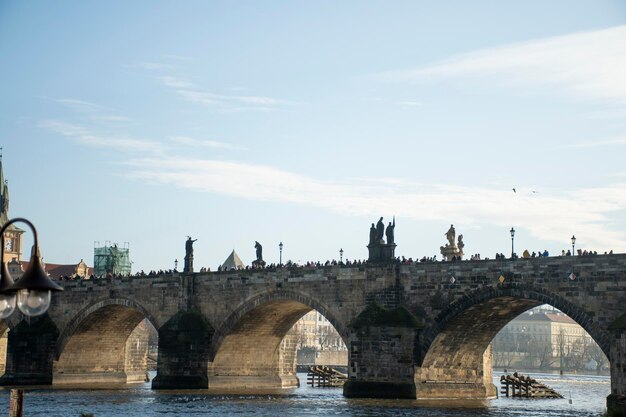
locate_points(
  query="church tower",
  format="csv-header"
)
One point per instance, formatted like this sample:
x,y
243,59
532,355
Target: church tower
x,y
13,236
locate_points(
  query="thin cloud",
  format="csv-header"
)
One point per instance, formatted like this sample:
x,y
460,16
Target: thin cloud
x,y
80,106
608,114
199,143
410,103
544,215
600,143
588,64
175,57
227,102
85,136
91,110
152,66
110,118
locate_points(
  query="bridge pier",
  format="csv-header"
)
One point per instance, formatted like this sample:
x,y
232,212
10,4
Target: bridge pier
x,y
381,360
30,352
615,404
183,352
470,378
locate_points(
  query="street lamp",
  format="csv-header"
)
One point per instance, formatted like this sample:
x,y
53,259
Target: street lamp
x,y
175,264
34,288
573,243
341,255
512,243
280,249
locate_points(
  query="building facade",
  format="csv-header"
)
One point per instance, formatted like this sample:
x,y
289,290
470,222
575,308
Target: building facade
x,y
546,339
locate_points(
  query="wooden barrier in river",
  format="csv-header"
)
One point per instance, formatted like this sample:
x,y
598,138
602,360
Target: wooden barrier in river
x,y
325,376
524,386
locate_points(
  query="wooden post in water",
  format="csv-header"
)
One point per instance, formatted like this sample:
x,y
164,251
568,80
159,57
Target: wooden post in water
x,y
16,401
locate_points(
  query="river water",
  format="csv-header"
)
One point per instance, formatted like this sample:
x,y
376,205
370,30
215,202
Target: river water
x,y
587,394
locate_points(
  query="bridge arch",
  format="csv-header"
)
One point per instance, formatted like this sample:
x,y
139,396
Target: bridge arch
x,y
455,348
95,346
234,319
512,291
250,347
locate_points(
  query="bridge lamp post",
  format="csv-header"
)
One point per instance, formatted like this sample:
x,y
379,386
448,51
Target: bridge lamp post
x,y
573,243
512,243
341,255
33,290
280,256
175,264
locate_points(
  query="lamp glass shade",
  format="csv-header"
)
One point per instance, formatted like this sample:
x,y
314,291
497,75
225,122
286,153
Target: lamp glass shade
x,y
33,302
573,239
7,305
512,232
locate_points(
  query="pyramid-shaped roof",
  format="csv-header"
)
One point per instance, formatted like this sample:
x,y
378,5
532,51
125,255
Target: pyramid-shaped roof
x,y
233,262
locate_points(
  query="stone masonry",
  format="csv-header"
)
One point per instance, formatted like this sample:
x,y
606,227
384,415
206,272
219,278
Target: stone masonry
x,y
412,331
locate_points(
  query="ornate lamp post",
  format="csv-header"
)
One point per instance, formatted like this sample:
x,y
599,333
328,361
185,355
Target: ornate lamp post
x,y
175,264
33,289
280,249
341,255
512,243
34,292
573,243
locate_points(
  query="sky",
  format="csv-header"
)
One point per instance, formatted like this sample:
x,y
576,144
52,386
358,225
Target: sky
x,y
304,122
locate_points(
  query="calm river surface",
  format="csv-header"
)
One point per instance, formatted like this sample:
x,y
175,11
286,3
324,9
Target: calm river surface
x,y
588,395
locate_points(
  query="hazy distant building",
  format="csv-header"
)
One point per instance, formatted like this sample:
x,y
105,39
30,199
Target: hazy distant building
x,y
314,331
57,271
546,339
233,262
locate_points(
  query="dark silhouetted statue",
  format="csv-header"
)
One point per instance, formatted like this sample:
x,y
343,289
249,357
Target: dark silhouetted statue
x,y
379,251
189,254
380,230
259,251
389,232
372,234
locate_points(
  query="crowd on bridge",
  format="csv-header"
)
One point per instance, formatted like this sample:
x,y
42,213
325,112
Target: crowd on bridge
x,y
329,263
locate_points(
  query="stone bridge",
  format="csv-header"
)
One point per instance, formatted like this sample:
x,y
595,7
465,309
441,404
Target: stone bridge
x,y
412,331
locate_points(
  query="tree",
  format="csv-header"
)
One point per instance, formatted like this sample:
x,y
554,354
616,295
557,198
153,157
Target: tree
x,y
541,353
504,348
596,354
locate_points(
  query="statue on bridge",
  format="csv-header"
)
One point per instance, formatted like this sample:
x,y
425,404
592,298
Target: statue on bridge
x,y
389,231
380,231
189,255
379,251
259,262
450,235
452,250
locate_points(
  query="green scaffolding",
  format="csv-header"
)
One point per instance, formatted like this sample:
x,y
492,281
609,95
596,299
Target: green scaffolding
x,y
111,259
